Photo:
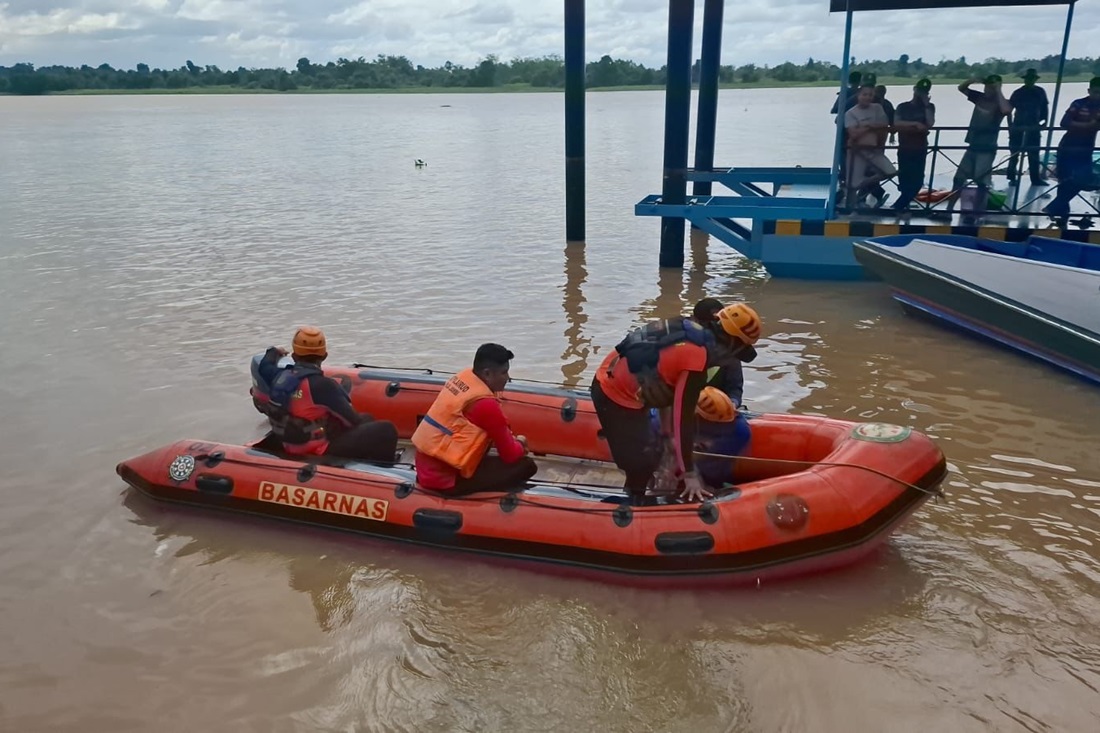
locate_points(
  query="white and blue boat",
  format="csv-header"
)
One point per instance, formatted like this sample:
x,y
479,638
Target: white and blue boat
x,y
1040,296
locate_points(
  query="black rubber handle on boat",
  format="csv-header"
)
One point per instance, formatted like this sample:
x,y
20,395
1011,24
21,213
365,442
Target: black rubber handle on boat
x,y
684,543
437,520
213,484
569,410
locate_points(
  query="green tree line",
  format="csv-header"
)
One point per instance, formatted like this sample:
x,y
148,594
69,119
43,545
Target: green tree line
x,y
398,72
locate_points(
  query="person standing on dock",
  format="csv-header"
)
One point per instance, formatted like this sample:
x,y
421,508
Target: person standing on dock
x,y
866,125
1074,167
1030,110
464,421
913,120
850,96
990,108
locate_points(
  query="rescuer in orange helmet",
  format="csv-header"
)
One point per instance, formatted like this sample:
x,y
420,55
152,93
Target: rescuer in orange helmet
x,y
663,366
722,427
310,413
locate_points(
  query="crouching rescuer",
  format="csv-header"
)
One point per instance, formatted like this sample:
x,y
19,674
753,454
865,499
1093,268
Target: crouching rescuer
x,y
663,365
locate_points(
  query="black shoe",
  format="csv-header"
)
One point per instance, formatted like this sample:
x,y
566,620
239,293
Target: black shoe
x,y
1039,182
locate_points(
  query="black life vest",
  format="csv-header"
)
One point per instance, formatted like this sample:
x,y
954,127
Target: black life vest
x,y
642,347
273,400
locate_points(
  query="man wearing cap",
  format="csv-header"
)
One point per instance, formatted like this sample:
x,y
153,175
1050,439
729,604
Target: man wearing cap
x,y
850,94
990,108
1074,168
310,413
1030,110
850,101
913,120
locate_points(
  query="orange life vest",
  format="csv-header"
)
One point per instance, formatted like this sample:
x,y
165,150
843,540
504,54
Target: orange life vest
x,y
310,421
446,433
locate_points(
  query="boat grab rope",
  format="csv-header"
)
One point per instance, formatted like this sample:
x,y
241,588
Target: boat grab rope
x,y
433,372
936,492
519,499
516,496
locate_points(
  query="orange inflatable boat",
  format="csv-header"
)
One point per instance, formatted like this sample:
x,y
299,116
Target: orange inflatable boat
x,y
814,493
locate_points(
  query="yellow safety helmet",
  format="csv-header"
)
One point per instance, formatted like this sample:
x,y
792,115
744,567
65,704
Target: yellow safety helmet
x,y
715,405
309,341
741,322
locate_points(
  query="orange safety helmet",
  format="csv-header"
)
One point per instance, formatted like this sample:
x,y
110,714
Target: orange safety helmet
x,y
310,341
715,405
741,322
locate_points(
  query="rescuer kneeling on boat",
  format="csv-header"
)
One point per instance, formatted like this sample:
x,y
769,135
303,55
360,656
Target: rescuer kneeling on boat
x,y
310,413
664,365
725,431
728,374
465,419
721,431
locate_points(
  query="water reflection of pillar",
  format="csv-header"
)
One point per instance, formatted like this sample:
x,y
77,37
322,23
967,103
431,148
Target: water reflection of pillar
x,y
679,290
696,287
578,346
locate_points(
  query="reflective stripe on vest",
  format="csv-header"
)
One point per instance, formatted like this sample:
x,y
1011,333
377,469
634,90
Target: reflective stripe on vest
x,y
446,434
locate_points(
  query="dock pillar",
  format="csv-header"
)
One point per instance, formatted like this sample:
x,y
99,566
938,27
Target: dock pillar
x,y
1052,123
681,18
574,120
706,119
841,107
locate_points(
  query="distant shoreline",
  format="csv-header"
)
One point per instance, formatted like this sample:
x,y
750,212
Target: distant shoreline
x,y
891,82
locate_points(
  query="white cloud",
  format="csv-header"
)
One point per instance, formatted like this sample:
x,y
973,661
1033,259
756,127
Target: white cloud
x,y
429,32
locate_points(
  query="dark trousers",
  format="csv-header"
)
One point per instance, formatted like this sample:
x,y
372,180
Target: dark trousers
x,y
1074,171
910,174
634,446
1020,142
493,474
369,441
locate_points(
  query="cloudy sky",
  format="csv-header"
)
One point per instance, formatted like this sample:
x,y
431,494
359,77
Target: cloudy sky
x,y
264,33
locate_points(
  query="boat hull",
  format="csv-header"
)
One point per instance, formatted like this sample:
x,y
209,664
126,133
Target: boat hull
x,y
938,293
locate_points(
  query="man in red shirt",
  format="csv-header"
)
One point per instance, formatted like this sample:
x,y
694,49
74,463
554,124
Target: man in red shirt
x,y
466,418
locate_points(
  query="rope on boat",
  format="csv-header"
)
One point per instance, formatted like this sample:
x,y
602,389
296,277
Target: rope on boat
x,y
575,487
936,492
429,371
517,496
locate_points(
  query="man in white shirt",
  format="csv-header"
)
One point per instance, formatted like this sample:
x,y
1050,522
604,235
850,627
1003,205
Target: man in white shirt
x,y
867,127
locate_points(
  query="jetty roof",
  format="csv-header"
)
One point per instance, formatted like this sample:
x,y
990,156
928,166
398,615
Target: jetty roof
x,y
840,6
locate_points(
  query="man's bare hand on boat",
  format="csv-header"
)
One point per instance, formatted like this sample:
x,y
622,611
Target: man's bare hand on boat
x,y
694,490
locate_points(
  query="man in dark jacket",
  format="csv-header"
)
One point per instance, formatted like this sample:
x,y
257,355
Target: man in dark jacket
x,y
1030,110
913,120
310,413
1075,168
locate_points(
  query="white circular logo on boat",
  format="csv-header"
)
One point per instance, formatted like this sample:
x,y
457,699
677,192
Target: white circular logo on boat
x,y
881,432
181,468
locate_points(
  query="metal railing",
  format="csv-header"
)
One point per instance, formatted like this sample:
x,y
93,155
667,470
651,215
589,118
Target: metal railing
x,y
1018,202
